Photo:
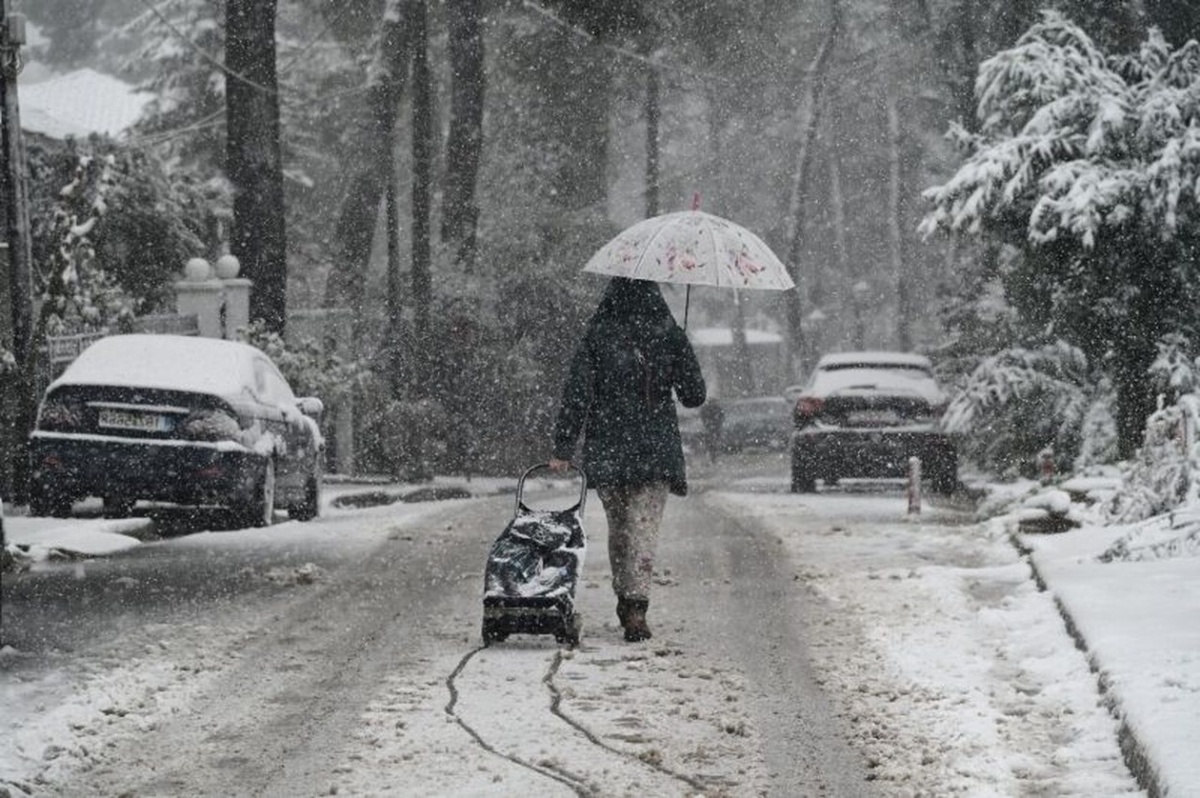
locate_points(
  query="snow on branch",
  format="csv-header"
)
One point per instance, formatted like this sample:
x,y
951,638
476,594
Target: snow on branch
x,y
1076,141
1058,370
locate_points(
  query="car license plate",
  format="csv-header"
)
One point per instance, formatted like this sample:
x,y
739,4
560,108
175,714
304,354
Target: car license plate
x,y
121,419
872,418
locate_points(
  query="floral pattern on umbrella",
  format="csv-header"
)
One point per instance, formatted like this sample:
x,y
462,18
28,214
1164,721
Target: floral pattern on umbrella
x,y
692,248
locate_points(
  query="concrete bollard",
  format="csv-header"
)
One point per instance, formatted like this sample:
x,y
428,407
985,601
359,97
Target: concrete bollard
x,y
914,485
1046,465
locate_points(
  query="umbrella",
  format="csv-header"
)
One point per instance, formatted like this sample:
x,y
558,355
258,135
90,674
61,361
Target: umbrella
x,y
691,248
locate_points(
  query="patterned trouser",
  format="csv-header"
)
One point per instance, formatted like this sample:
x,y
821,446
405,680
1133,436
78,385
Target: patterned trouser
x,y
634,513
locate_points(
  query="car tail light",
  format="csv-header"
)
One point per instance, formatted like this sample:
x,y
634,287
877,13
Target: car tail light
x,y
60,415
210,425
808,407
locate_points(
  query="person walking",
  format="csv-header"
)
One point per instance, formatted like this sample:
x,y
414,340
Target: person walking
x,y
620,394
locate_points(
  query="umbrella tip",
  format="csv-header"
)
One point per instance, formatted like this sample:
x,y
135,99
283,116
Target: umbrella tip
x,y
696,201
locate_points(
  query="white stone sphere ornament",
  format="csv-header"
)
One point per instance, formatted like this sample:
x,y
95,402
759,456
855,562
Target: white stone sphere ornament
x,y
197,270
228,266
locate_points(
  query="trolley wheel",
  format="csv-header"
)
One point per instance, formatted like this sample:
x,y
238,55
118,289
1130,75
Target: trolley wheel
x,y
492,633
570,631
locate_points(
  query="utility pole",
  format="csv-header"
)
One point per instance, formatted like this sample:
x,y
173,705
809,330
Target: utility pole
x,y
17,398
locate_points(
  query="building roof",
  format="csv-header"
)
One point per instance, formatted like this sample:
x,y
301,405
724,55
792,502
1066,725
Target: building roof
x,y
80,103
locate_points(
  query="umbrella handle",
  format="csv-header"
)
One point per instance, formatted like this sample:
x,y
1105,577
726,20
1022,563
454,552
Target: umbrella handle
x,y
687,301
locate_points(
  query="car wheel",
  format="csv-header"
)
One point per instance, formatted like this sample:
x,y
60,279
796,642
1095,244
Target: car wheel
x,y
261,509
943,473
803,480
118,506
45,503
310,507
492,633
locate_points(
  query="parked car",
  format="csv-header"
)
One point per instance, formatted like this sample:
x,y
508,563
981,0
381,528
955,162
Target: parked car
x,y
761,422
195,421
864,414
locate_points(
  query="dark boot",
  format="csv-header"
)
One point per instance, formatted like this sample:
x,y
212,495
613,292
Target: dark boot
x,y
632,614
622,610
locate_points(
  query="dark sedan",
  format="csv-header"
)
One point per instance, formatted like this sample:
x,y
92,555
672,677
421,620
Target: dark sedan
x,y
865,414
196,421
761,422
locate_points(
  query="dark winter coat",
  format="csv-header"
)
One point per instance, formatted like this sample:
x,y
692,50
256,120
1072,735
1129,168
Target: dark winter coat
x,y
618,393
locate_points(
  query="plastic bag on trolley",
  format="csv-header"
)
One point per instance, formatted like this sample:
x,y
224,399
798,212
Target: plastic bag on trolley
x,y
539,554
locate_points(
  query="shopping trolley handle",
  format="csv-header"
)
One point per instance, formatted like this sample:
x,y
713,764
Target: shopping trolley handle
x,y
546,467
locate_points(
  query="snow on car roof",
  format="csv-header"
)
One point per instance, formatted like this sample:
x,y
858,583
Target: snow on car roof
x,y
874,359
887,372
173,362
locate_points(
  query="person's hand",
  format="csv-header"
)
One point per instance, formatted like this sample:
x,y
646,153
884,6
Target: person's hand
x,y
558,465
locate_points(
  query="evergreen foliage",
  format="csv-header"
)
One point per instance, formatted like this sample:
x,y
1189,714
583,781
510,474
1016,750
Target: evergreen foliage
x,y
112,227
1087,165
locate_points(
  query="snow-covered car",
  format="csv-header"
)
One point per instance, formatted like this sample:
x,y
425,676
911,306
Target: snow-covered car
x,y
760,422
864,414
195,421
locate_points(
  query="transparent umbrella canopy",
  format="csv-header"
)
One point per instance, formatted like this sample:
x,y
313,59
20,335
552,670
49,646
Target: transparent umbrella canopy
x,y
692,248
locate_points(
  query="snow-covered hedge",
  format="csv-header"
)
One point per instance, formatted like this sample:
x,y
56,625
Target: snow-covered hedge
x,y
1019,402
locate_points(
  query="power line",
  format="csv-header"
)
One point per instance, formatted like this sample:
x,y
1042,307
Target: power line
x,y
204,53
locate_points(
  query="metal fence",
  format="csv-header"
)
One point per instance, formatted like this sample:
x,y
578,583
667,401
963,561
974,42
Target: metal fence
x,y
60,351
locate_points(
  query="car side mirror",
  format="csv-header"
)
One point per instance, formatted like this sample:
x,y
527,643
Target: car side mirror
x,y
311,406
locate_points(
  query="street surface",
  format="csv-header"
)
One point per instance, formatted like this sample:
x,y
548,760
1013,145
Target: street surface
x,y
343,657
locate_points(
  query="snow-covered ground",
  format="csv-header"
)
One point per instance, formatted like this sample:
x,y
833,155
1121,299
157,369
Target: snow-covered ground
x,y
963,662
954,671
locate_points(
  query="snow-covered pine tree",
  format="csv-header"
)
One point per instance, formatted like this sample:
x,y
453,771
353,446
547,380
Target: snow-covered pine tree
x,y
1089,165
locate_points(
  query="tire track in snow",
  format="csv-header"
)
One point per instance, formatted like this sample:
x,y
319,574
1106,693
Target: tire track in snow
x,y
609,770
570,781
556,710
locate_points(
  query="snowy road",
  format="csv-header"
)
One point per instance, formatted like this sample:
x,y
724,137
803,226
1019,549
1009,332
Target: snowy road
x,y
342,657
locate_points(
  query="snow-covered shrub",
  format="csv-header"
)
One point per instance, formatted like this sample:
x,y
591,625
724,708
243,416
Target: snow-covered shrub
x,y
404,438
1166,473
310,369
1176,371
1019,402
111,228
76,292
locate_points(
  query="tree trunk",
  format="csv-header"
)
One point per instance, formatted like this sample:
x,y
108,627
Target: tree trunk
x,y
653,113
903,281
574,80
810,105
848,277
17,394
359,212
464,144
253,159
422,155
395,302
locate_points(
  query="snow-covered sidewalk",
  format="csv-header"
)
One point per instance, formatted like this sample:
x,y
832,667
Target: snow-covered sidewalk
x,y
969,649
1137,617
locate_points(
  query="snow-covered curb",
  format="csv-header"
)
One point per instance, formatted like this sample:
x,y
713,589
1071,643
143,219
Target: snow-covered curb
x,y
1137,651
1126,596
